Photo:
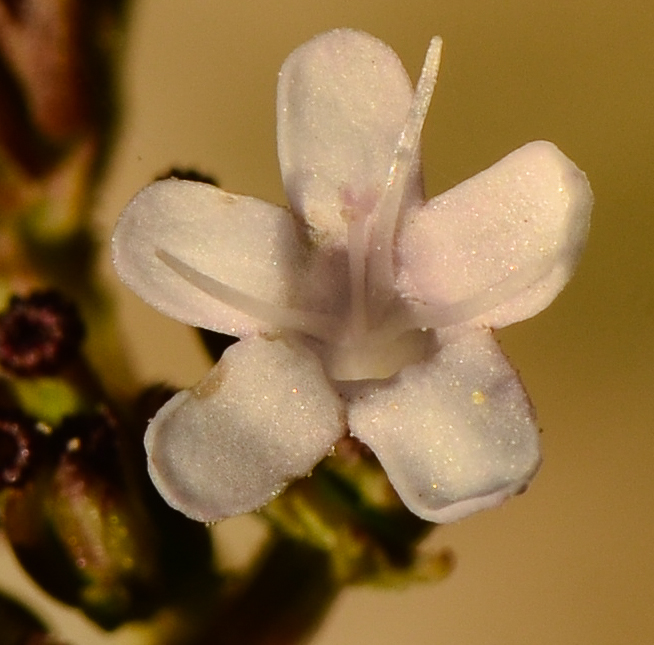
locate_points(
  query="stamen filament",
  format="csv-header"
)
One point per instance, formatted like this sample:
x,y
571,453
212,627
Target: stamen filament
x,y
388,208
318,325
457,313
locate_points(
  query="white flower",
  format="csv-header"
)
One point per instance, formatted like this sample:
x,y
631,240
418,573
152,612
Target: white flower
x,y
361,307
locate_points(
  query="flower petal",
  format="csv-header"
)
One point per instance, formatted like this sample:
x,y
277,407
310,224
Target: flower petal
x,y
456,434
499,247
263,416
224,262
342,102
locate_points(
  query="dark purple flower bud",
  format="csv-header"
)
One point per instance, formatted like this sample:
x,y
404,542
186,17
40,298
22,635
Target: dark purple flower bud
x,y
90,443
188,174
39,334
150,400
19,439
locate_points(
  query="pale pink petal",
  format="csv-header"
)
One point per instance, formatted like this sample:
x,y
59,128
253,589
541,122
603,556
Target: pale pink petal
x,y
455,434
220,261
343,99
263,416
500,246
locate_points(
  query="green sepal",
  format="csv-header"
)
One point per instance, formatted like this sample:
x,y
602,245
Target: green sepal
x,y
348,508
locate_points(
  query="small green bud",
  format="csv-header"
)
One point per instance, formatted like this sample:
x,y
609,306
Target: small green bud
x,y
82,532
349,508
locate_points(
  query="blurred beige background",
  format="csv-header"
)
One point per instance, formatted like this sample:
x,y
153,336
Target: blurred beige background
x,y
572,561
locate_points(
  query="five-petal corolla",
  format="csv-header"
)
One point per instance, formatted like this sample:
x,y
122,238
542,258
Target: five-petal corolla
x,y
361,307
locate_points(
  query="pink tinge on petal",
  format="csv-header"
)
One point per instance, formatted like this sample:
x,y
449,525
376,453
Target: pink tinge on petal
x,y
500,246
342,103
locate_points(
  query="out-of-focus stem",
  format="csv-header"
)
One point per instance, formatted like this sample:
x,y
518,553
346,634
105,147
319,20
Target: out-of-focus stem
x,y
57,120
283,602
